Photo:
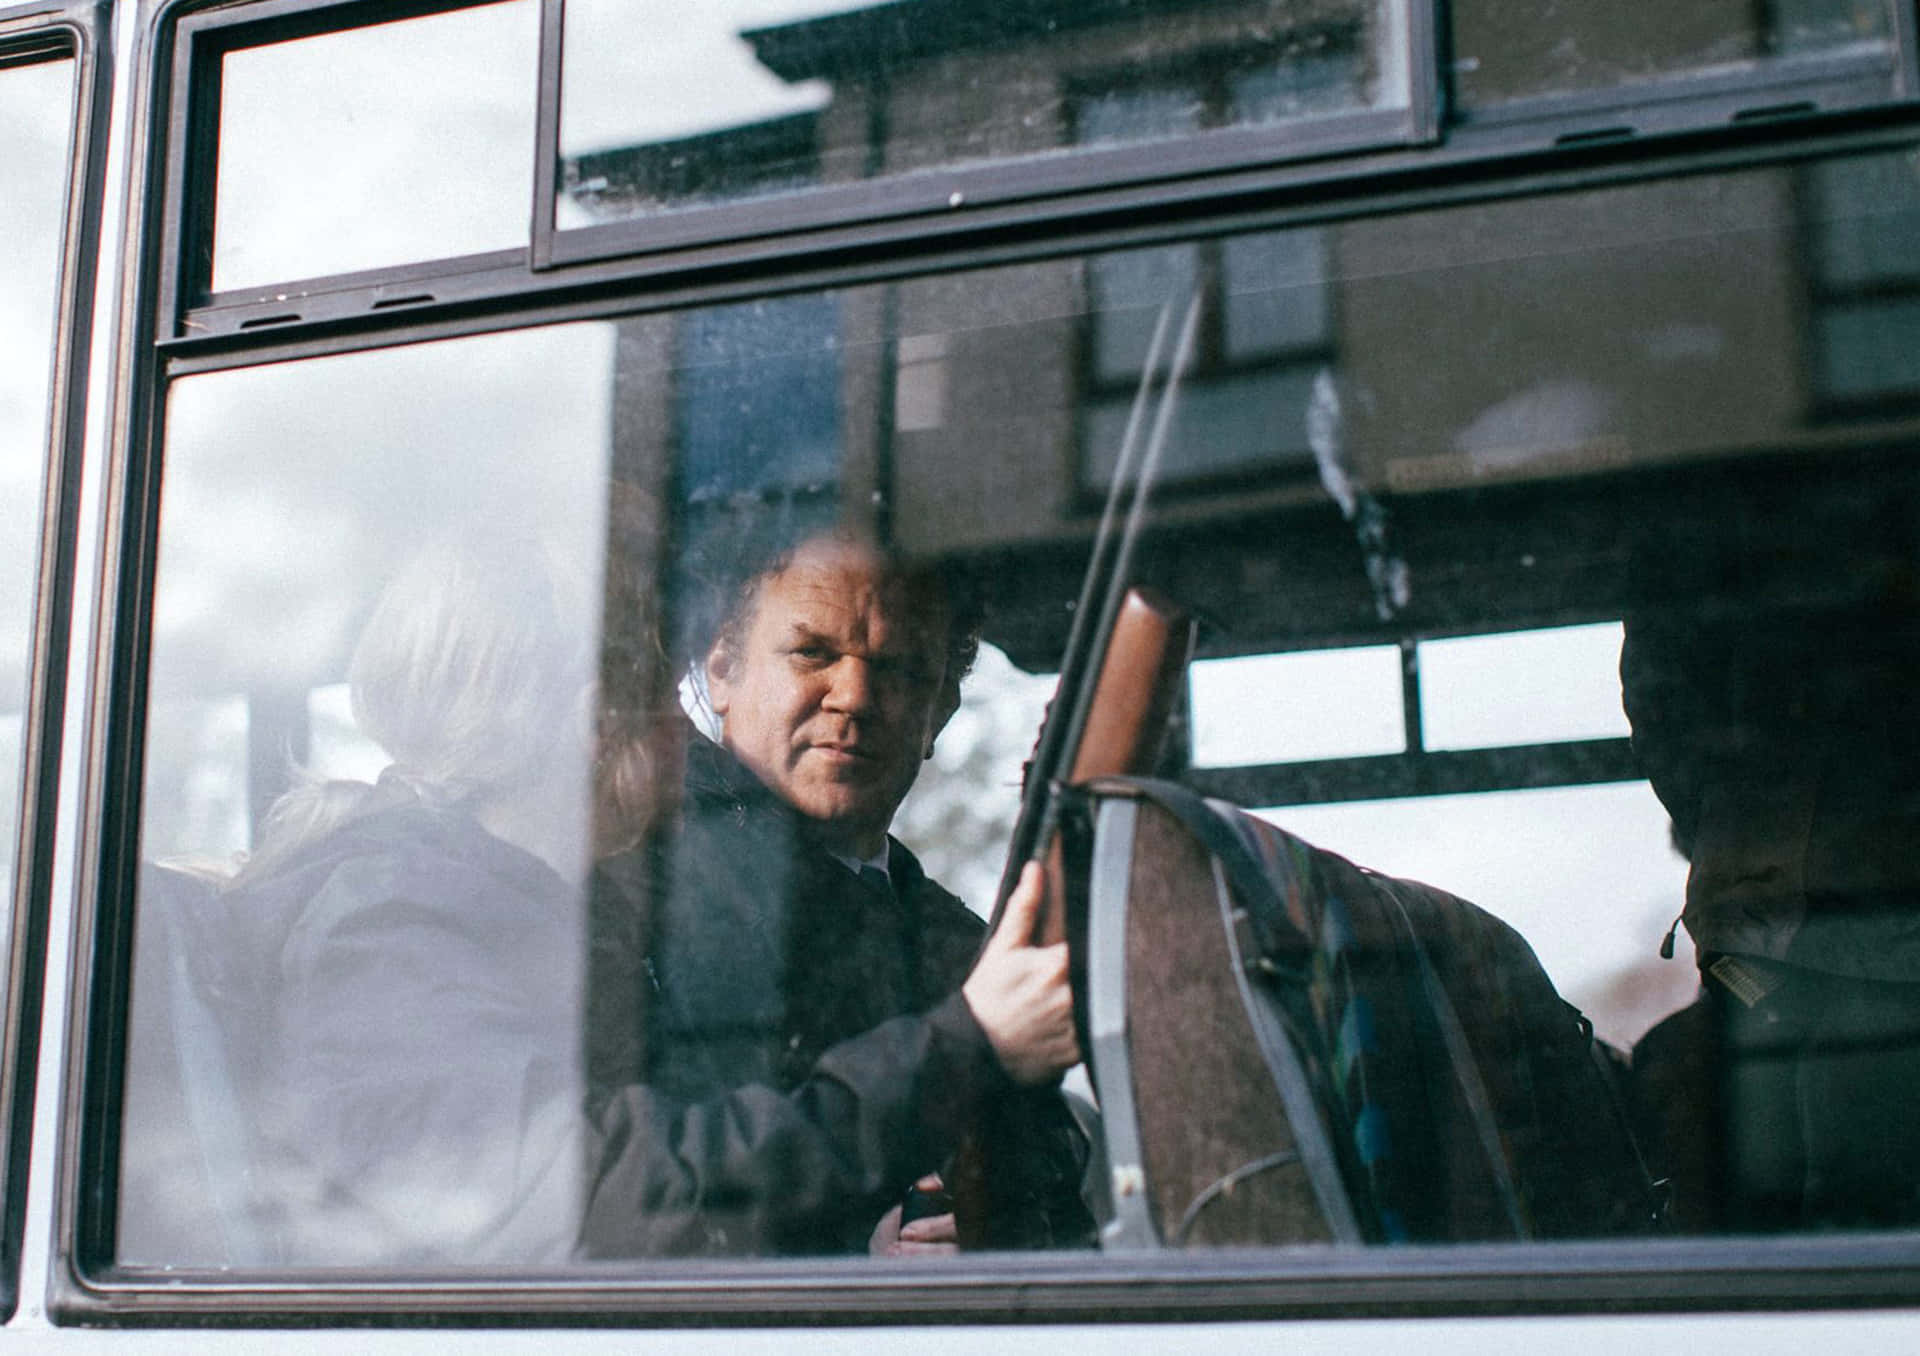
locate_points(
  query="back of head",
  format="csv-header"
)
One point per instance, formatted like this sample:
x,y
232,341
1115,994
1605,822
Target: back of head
x,y
471,673
1767,679
473,665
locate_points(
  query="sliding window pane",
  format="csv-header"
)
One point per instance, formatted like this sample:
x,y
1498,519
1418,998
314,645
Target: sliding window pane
x,y
376,146
1295,708
684,103
1506,51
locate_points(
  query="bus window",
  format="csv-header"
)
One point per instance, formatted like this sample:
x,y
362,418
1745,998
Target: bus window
x,y
515,549
1296,708
375,147
36,124
1524,688
1499,57
773,101
564,728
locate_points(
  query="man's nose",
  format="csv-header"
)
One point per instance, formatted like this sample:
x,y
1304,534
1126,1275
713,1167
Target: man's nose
x,y
850,689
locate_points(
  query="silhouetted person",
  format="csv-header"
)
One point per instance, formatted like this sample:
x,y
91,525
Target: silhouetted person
x,y
1772,703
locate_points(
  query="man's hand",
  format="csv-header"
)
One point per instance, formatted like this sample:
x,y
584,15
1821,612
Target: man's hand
x,y
1020,994
928,1236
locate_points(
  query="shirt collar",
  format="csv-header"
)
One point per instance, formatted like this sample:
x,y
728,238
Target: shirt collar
x,y
878,862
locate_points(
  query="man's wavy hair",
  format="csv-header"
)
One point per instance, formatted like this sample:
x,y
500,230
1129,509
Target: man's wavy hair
x,y
747,544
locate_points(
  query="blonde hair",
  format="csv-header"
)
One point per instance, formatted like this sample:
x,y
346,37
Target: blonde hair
x,y
470,663
470,672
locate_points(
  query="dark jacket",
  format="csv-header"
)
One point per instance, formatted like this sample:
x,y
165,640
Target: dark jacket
x,y
390,1016
375,1044
771,974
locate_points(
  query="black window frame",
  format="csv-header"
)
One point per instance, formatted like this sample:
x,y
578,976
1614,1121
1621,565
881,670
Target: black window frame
x,y
197,44
79,31
1782,87
898,206
485,294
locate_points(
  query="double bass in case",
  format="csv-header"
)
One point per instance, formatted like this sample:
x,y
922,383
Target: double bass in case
x,y
1288,1048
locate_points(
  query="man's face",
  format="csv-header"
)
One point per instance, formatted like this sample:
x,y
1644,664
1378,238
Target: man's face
x,y
832,691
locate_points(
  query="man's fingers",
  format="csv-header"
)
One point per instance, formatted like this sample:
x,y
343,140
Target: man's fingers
x,y
906,1247
1023,910
885,1239
1019,992
931,1229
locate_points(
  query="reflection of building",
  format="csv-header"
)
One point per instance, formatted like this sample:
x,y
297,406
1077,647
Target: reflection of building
x,y
1400,425
1499,374
920,85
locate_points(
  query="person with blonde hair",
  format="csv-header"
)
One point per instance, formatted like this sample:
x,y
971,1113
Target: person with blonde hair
x,y
415,1082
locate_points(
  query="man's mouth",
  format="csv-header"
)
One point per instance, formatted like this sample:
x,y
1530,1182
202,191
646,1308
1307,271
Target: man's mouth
x,y
847,754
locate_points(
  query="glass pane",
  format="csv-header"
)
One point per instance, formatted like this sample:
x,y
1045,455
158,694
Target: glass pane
x,y
1870,350
1522,687
365,644
1865,271
1262,350
36,128
501,959
1296,707
1276,294
761,98
377,146
1503,52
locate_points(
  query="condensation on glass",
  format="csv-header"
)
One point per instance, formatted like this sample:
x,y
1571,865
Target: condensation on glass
x,y
376,147
36,130
685,104
1505,52
1531,442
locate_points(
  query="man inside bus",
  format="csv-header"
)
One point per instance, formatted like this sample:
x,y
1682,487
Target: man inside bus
x,y
1769,682
797,947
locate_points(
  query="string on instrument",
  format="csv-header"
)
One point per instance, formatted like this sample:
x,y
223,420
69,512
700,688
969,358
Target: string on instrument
x,y
1222,1187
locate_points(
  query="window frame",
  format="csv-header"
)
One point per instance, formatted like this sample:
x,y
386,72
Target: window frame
x,y
1418,770
76,30
205,32
1061,186
1785,87
487,295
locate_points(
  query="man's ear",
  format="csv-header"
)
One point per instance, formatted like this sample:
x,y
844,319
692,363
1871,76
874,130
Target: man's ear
x,y
719,667
942,713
